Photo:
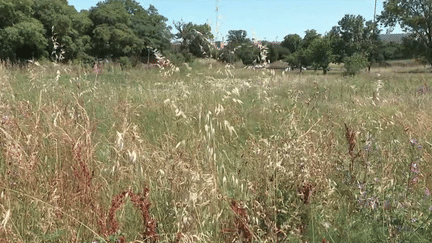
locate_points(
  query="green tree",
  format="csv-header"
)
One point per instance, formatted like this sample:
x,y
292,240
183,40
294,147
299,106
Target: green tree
x,y
21,35
413,47
320,53
310,36
241,47
150,26
354,63
292,42
273,52
354,35
65,28
298,59
237,37
125,28
337,43
300,55
195,39
112,35
415,17
248,53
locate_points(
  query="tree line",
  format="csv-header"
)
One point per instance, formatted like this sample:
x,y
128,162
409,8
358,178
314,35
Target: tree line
x,y
124,30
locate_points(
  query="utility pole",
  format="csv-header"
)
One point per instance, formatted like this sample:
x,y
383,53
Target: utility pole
x,y
375,11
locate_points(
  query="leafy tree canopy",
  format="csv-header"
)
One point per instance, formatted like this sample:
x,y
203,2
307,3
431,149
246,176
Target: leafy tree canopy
x,y
125,28
237,37
65,28
321,53
21,35
195,38
415,17
354,35
293,42
310,36
23,40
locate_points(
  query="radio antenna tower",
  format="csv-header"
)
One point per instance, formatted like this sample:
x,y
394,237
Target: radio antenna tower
x,y
217,20
375,11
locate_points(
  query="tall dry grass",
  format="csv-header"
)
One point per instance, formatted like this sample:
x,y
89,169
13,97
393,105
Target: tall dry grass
x,y
211,153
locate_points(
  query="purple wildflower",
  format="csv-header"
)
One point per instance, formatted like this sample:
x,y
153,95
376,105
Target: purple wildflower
x,y
427,192
415,168
414,142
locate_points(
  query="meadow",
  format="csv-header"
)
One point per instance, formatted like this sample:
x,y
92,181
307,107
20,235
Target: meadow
x,y
213,153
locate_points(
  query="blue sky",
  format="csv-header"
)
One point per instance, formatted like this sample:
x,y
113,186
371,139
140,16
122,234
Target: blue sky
x,y
262,19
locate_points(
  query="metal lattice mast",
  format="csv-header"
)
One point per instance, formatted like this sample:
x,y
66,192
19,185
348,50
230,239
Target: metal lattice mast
x,y
375,11
217,20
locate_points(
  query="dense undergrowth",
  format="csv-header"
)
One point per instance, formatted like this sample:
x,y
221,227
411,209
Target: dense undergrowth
x,y
209,153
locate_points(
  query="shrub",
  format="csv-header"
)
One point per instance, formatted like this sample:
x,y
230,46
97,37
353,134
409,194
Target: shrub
x,y
355,63
125,62
84,59
178,58
248,54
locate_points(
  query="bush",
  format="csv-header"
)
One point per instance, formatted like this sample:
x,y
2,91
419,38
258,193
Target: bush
x,y
248,54
125,62
214,53
355,63
226,55
178,58
84,59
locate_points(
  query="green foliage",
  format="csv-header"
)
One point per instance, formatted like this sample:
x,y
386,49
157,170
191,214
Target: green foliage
x,y
46,28
125,28
227,55
273,53
413,47
395,51
355,63
320,53
237,37
292,42
126,62
248,54
112,34
23,40
354,35
178,58
276,52
65,28
299,59
310,36
240,48
300,56
150,26
414,16
195,39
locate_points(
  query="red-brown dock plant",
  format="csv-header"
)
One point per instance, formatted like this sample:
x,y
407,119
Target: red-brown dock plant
x,y
305,192
351,139
241,222
140,202
111,226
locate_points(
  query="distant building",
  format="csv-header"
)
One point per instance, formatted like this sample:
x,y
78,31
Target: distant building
x,y
395,38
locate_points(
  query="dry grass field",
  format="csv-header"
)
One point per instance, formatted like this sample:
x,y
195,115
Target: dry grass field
x,y
212,153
